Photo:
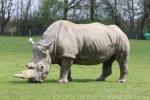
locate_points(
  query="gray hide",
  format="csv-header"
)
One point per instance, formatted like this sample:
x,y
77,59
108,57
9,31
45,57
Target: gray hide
x,y
86,44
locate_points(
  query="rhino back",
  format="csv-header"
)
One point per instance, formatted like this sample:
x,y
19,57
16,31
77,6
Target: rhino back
x,y
87,43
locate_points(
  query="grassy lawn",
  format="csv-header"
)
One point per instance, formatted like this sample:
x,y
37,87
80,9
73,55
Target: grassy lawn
x,y
16,52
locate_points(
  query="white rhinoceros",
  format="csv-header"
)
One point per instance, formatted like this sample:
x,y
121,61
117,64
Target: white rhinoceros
x,y
66,43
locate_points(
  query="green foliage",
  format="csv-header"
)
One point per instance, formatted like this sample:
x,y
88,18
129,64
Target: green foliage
x,y
16,52
51,10
107,21
148,26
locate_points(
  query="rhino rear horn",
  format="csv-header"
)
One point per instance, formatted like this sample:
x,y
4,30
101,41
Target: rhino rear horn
x,y
31,65
26,74
31,41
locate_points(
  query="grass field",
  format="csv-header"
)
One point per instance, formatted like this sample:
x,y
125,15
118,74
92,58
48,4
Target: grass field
x,y
16,52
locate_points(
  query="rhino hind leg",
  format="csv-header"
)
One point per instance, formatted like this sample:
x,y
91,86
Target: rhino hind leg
x,y
65,72
106,69
123,71
123,64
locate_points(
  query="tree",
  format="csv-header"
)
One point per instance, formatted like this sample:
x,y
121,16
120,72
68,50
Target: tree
x,y
112,7
26,24
68,6
51,10
27,10
6,11
131,16
146,14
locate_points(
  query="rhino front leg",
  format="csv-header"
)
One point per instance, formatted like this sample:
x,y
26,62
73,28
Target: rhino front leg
x,y
69,76
106,70
65,70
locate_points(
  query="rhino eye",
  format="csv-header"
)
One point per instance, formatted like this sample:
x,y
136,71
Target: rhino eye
x,y
42,67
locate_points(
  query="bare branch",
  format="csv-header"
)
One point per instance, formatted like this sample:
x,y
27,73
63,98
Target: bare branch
x,y
71,2
77,3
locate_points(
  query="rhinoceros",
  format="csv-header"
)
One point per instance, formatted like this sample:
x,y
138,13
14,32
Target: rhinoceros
x,y
66,43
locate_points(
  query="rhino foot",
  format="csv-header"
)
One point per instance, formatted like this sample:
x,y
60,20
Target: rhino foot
x,y
70,79
62,81
121,81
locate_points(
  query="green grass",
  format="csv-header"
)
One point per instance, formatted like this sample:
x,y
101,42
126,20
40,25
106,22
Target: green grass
x,y
16,52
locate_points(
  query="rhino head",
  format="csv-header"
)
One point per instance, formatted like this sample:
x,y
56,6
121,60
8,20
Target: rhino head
x,y
40,65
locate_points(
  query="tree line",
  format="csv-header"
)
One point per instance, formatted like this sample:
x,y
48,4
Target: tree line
x,y
18,17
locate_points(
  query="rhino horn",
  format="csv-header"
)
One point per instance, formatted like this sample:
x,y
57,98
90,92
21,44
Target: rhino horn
x,y
31,65
31,41
26,74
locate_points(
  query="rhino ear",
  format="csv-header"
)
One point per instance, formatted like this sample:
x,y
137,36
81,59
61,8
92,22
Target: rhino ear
x,y
42,48
48,59
39,47
45,52
26,74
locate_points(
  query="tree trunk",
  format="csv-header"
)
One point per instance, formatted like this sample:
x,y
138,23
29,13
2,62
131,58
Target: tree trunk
x,y
27,10
2,17
116,15
132,16
2,29
92,8
65,9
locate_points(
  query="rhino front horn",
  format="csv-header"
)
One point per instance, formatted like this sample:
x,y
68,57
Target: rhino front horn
x,y
26,74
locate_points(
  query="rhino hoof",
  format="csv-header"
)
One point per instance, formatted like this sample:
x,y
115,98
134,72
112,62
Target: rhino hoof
x,y
62,81
100,79
121,81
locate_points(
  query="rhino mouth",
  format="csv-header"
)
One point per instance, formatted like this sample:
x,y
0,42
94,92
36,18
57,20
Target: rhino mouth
x,y
33,80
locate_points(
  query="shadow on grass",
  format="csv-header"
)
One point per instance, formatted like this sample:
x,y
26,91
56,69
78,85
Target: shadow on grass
x,y
27,82
19,82
51,81
83,80
79,81
56,81
73,81
89,81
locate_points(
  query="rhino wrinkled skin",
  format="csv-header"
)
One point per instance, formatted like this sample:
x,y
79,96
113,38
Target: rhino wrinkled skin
x,y
66,43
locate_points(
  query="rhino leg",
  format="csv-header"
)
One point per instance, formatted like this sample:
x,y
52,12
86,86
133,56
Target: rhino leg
x,y
123,71
123,64
106,69
65,69
69,76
